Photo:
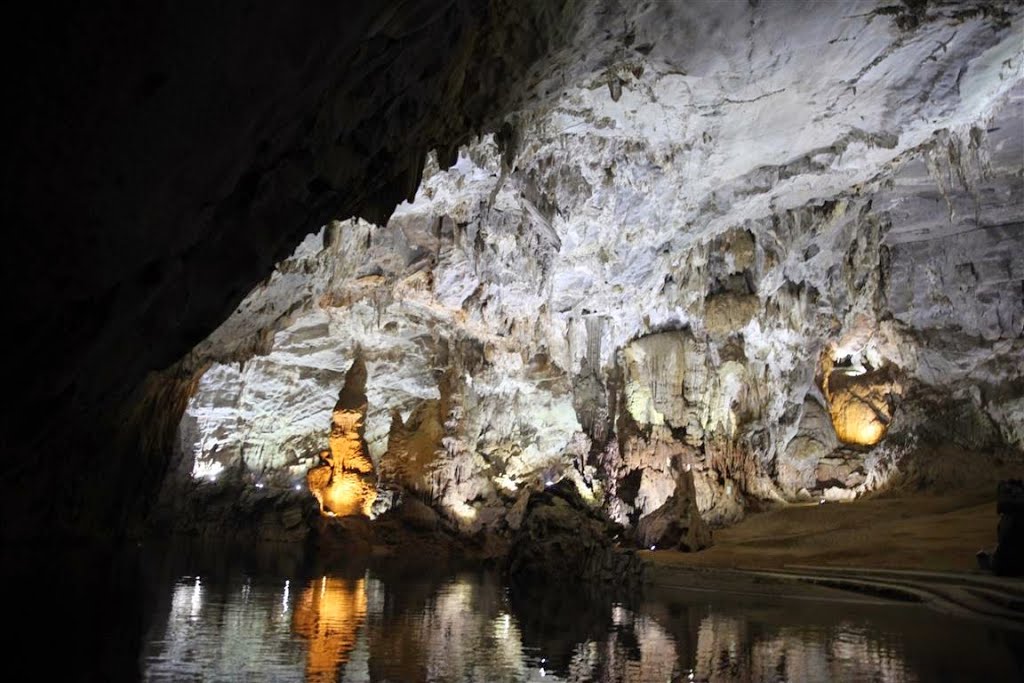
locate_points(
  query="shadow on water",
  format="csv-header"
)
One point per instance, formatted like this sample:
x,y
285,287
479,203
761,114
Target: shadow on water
x,y
272,613
556,621
76,612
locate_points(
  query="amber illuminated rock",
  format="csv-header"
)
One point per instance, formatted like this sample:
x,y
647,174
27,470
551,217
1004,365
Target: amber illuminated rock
x,y
861,403
344,482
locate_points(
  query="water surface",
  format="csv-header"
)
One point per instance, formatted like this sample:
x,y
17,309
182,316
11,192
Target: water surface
x,y
230,621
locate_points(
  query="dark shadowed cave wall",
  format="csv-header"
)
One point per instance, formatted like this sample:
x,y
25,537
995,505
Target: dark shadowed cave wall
x,y
164,156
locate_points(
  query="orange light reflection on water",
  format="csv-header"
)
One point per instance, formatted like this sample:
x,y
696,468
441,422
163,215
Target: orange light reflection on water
x,y
329,614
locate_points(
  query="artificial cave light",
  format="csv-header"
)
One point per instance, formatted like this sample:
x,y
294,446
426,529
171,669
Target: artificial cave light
x,y
206,468
464,511
855,370
506,483
585,491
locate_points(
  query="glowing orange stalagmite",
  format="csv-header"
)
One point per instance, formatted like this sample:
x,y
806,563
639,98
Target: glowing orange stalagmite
x,y
344,481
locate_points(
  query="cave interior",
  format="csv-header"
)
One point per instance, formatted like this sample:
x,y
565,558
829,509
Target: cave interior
x,y
390,277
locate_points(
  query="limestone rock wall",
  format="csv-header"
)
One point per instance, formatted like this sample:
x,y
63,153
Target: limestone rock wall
x,y
751,232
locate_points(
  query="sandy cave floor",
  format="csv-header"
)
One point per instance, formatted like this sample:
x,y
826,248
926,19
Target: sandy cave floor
x,y
914,549
905,531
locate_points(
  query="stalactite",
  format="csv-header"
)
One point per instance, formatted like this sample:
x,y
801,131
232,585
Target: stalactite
x,y
595,330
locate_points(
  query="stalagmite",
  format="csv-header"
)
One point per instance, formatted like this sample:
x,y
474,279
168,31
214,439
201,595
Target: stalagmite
x,y
344,484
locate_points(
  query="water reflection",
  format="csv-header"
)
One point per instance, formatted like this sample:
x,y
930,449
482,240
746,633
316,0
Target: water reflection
x,y
727,649
451,630
383,625
329,615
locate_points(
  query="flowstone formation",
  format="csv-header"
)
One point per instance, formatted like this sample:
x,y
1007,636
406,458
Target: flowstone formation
x,y
701,280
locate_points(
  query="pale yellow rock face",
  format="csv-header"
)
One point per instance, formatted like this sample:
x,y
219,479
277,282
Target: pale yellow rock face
x,y
655,370
860,405
413,449
729,312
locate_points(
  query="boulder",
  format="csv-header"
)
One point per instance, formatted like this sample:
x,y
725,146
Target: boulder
x,y
677,524
418,515
1008,558
562,540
